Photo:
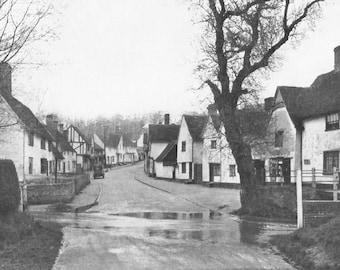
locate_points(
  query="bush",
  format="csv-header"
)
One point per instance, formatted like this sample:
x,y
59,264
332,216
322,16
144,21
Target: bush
x,y
9,188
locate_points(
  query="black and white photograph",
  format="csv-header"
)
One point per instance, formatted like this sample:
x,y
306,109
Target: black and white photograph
x,y
169,134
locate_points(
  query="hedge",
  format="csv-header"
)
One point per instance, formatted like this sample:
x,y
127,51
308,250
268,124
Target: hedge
x,y
9,187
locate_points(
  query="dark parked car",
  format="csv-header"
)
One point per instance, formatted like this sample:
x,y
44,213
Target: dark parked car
x,y
98,171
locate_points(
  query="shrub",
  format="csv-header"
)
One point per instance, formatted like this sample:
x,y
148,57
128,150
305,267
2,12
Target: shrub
x,y
9,188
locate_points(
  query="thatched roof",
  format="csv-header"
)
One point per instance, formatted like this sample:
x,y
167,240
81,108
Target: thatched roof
x,y
163,133
196,125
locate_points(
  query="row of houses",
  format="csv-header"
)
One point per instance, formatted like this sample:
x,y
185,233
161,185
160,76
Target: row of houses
x,y
39,149
303,134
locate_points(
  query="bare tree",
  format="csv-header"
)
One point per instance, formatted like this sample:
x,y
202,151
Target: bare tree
x,y
20,25
241,42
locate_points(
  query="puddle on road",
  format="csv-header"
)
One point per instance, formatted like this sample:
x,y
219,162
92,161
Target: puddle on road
x,y
169,215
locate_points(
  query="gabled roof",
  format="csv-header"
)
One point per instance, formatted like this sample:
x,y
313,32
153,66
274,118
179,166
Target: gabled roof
x,y
86,139
196,125
321,98
163,133
26,116
169,154
60,139
128,142
98,147
113,139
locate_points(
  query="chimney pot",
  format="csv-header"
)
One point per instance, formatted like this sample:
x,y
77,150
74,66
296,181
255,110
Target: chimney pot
x,y
5,78
166,119
337,58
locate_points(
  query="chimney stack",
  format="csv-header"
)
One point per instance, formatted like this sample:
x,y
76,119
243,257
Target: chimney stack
x,y
212,109
268,104
166,119
51,121
337,59
5,78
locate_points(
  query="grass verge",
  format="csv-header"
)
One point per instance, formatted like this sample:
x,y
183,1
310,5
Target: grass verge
x,y
27,244
315,248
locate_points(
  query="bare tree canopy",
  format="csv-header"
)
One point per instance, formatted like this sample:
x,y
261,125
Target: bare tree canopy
x,y
19,21
243,39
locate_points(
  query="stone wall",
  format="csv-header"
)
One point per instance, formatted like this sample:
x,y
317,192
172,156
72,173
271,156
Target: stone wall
x,y
62,191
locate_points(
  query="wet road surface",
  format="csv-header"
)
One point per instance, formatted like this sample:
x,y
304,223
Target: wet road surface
x,y
135,226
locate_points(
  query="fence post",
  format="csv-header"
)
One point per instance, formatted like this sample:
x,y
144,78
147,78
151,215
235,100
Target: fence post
x,y
335,183
313,178
299,199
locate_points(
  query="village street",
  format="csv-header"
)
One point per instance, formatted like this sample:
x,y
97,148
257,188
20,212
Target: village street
x,y
173,226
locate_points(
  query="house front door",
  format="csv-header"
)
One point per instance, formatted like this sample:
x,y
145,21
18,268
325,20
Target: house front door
x,y
190,170
211,172
64,167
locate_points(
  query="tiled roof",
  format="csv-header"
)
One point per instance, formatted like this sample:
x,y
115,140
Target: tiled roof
x,y
169,154
113,139
26,116
60,139
195,124
321,98
163,133
128,142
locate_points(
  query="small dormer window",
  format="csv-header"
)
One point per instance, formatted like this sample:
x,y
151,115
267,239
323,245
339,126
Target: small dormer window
x,y
213,144
31,138
332,121
278,138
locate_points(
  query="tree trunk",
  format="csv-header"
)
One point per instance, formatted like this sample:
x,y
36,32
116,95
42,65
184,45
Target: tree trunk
x,y
242,154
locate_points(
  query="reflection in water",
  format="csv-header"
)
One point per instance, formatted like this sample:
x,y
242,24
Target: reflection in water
x,y
176,234
162,215
250,231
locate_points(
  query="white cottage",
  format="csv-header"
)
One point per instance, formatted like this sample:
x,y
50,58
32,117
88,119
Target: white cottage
x,y
23,138
157,139
190,147
311,139
219,166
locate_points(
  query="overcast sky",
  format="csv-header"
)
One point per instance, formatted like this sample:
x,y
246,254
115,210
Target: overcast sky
x,y
134,57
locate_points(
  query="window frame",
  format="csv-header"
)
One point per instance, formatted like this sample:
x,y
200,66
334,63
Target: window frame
x,y
216,169
184,146
31,138
278,140
334,155
232,170
213,144
43,143
332,124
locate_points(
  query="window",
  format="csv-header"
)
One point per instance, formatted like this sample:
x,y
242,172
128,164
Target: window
x,y
69,165
184,145
43,166
43,143
332,121
213,144
49,146
30,165
216,169
73,164
232,170
184,168
31,138
59,165
330,161
279,138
